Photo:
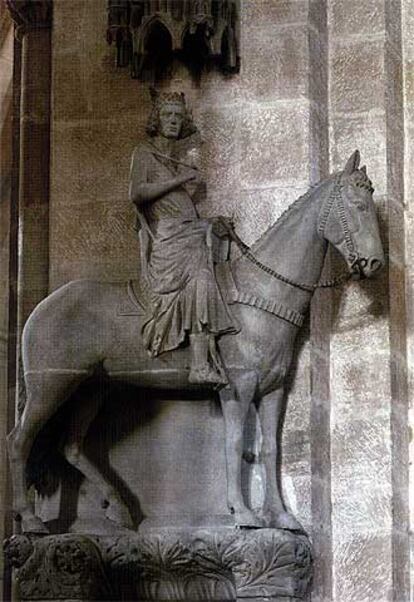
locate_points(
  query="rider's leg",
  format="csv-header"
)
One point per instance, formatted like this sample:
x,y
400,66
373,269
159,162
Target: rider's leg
x,y
201,370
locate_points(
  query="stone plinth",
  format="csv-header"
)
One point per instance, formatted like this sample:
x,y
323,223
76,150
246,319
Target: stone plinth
x,y
188,565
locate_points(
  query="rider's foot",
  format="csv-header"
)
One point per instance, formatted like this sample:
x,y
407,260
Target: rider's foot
x,y
204,374
201,371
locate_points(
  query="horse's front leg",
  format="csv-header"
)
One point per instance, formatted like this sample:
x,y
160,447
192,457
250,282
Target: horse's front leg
x,y
235,405
274,512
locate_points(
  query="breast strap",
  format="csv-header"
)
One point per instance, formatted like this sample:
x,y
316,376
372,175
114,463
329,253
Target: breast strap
x,y
270,305
233,295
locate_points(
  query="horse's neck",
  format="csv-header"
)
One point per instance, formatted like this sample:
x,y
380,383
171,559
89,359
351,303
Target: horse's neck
x,y
291,247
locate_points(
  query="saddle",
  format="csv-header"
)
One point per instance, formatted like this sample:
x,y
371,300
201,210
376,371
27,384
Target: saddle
x,y
137,298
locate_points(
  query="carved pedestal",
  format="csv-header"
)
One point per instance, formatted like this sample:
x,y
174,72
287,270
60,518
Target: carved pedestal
x,y
171,565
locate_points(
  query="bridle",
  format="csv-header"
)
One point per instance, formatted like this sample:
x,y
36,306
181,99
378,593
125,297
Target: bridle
x,y
335,198
356,262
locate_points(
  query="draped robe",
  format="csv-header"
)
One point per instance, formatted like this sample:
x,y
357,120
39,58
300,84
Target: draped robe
x,y
176,262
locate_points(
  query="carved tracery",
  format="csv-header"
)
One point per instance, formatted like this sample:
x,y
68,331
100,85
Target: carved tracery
x,y
150,31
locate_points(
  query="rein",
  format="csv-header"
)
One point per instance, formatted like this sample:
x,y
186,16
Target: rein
x,y
334,199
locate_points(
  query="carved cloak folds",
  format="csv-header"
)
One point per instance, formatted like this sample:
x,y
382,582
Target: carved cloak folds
x,y
176,260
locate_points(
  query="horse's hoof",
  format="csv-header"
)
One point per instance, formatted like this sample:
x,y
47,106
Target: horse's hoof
x,y
34,525
283,520
248,519
119,514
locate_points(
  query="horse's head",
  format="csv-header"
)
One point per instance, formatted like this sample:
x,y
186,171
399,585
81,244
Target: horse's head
x,y
348,220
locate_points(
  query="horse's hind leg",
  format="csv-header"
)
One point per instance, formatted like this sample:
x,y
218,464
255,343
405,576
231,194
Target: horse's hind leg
x,y
46,391
80,422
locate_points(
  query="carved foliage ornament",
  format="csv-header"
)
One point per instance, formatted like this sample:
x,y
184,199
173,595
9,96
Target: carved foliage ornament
x,y
203,566
58,568
151,31
30,14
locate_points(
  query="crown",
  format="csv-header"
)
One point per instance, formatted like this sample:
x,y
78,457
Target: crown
x,y
161,97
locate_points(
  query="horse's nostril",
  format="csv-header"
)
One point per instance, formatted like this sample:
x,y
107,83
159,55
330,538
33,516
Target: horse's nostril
x,y
374,265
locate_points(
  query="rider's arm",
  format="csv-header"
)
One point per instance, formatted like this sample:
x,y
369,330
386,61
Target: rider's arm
x,y
141,191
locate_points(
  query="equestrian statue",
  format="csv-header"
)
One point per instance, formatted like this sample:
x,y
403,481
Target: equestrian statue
x,y
190,324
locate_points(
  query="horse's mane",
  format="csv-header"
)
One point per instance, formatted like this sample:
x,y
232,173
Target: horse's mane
x,y
297,204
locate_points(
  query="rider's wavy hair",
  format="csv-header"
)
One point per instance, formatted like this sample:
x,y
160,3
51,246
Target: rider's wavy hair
x,y
158,99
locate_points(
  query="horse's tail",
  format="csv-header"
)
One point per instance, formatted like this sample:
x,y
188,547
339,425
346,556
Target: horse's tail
x,y
43,465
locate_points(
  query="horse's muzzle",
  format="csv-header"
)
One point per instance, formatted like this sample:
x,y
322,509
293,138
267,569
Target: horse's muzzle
x,y
366,267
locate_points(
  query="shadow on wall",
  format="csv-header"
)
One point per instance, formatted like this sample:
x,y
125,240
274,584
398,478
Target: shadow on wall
x,y
130,419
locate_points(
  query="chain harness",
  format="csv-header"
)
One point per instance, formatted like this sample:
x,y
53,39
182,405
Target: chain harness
x,y
355,261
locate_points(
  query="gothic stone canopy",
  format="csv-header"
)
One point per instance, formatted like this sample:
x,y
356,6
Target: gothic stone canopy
x,y
30,14
148,33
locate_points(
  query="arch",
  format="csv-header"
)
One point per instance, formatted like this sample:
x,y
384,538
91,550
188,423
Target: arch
x,y
153,49
147,29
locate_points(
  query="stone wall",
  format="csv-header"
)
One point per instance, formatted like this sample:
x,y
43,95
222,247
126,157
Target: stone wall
x,y
319,78
369,445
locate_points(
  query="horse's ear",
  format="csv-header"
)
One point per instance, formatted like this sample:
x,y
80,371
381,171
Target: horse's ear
x,y
364,169
352,163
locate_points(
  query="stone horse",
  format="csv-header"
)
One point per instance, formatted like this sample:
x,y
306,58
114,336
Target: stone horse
x,y
79,327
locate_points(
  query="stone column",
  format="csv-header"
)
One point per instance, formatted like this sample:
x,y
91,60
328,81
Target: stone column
x,y
408,87
320,323
283,149
369,444
6,258
33,21
28,211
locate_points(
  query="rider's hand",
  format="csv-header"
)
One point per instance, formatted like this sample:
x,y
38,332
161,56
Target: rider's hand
x,y
222,226
189,175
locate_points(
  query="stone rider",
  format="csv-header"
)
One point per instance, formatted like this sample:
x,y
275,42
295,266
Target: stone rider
x,y
185,301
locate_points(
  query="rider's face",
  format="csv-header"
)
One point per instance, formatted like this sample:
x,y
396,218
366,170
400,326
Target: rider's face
x,y
171,119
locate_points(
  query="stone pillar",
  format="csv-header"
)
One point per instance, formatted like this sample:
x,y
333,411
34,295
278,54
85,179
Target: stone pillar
x,y
283,148
28,179
398,279
408,87
320,323
369,444
33,21
6,259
